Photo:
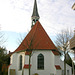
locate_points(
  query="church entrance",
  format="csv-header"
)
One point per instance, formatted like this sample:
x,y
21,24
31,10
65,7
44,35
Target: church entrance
x,y
12,72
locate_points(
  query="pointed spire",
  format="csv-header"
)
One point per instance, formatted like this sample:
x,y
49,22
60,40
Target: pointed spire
x,y
35,10
35,16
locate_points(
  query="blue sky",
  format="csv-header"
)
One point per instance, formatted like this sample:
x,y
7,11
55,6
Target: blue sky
x,y
15,18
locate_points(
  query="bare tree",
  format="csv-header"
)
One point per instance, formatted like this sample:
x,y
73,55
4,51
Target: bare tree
x,y
2,38
28,43
62,43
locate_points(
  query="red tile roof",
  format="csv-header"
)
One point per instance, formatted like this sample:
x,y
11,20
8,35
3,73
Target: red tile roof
x,y
27,52
57,67
9,65
38,39
26,66
55,53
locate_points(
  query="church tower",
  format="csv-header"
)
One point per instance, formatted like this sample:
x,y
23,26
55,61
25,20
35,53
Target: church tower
x,y
35,16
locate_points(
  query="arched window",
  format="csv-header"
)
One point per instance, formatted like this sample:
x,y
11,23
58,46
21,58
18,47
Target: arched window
x,y
20,63
40,61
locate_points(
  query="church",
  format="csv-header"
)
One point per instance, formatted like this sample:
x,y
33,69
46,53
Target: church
x,y
37,54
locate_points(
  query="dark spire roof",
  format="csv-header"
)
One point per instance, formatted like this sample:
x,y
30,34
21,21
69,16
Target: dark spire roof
x,y
35,10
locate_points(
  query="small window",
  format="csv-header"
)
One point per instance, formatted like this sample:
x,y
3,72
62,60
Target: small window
x,y
67,72
20,63
40,62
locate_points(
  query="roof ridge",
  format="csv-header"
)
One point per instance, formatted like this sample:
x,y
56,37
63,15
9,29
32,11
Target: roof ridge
x,y
37,38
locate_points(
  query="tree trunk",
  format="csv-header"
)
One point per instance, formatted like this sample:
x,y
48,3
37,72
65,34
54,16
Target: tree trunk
x,y
29,62
64,63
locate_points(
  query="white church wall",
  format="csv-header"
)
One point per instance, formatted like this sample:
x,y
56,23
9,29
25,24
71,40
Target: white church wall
x,y
57,62
26,59
15,62
23,59
26,72
68,68
19,72
48,63
57,59
50,60
58,72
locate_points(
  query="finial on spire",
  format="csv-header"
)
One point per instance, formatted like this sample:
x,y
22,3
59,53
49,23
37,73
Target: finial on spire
x,y
35,16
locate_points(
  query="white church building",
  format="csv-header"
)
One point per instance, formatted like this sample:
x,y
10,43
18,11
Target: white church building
x,y
37,54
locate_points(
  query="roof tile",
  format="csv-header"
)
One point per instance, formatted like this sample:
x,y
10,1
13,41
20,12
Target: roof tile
x,y
37,38
58,67
26,66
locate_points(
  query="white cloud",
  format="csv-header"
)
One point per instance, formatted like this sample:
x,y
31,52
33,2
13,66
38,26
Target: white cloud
x,y
58,14
15,15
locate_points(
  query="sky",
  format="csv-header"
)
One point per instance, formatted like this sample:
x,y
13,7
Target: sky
x,y
15,18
